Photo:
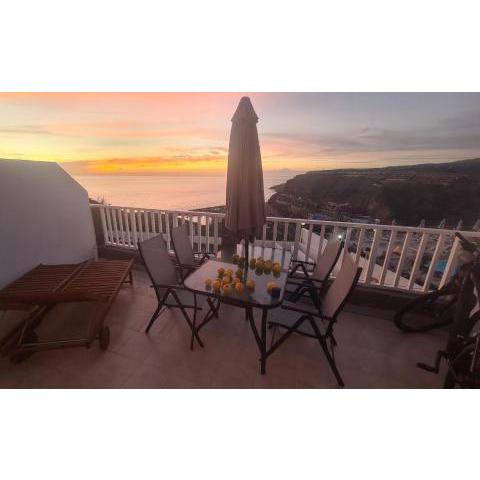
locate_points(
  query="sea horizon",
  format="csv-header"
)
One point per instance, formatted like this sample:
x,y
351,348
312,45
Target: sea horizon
x,y
171,192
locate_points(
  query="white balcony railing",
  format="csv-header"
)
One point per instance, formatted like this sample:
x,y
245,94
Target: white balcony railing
x,y
401,258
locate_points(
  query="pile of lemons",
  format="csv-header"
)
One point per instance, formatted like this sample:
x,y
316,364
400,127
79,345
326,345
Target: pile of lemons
x,y
227,283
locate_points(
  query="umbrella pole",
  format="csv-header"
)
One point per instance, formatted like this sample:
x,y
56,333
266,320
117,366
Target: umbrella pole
x,y
246,254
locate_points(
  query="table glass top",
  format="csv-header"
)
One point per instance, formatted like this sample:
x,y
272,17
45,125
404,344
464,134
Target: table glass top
x,y
257,296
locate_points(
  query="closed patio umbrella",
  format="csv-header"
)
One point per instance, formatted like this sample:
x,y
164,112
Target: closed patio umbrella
x,y
245,202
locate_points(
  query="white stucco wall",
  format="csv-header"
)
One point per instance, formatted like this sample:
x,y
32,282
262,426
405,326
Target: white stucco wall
x,y
44,218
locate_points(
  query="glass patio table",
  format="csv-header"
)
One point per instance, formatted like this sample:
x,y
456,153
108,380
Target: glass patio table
x,y
248,300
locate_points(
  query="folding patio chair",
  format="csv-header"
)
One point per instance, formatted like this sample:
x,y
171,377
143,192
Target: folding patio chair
x,y
332,304
168,288
187,259
314,281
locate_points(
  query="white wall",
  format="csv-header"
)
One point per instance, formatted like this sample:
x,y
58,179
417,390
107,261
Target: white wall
x,y
44,218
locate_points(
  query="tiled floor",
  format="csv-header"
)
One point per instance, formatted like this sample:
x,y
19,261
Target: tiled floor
x,y
371,353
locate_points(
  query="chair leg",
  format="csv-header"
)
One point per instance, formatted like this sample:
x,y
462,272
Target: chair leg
x,y
330,359
194,323
154,317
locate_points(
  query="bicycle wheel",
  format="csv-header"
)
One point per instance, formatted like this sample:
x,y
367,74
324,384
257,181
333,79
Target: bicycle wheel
x,y
433,310
460,370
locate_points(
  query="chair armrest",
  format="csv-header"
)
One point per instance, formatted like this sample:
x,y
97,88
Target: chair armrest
x,y
294,307
305,262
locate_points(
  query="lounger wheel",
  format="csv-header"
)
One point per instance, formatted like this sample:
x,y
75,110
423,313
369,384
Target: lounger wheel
x,y
104,338
30,337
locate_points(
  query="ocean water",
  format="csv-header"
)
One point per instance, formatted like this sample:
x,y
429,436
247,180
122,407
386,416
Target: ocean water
x,y
182,192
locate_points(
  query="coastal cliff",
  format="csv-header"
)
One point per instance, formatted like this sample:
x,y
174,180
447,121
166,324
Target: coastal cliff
x,y
407,194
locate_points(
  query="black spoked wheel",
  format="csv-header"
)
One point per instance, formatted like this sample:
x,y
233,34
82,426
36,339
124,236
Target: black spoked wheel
x,y
433,310
104,337
460,371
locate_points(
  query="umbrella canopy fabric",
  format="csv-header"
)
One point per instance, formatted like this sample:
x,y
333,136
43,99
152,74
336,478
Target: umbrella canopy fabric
x,y
245,210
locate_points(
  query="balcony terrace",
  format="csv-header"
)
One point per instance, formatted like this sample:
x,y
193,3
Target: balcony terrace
x,y
372,353
396,261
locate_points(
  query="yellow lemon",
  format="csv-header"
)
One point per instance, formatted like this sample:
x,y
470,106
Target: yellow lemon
x,y
251,285
216,285
227,290
252,263
208,283
229,272
221,272
276,268
227,280
239,273
239,287
271,286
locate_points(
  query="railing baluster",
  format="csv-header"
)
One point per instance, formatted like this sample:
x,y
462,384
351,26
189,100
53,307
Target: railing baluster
x,y
167,229
358,253
418,260
320,243
215,234
285,234
146,218
388,256
309,241
126,220
450,262
109,226
264,234
133,221
138,216
298,230
160,226
274,235
175,220
104,224
433,262
120,223
207,231
190,229
403,257
372,257
153,223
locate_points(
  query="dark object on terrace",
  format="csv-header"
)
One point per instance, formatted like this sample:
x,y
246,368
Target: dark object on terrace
x,y
331,306
66,305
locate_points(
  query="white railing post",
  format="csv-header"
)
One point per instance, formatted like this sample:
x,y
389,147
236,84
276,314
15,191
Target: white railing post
x,y
403,257
372,255
450,262
133,222
104,224
433,262
418,260
388,256
298,228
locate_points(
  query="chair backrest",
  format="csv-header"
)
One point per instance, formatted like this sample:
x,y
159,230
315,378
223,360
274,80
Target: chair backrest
x,y
328,259
182,245
341,287
157,261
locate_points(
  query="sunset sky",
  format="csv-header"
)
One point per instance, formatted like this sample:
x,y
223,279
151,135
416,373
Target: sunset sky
x,y
148,133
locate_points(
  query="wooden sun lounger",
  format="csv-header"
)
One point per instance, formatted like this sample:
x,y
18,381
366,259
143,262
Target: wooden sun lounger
x,y
43,279
72,314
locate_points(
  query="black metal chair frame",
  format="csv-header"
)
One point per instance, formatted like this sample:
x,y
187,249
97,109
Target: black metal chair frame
x,y
311,316
305,282
181,267
163,303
